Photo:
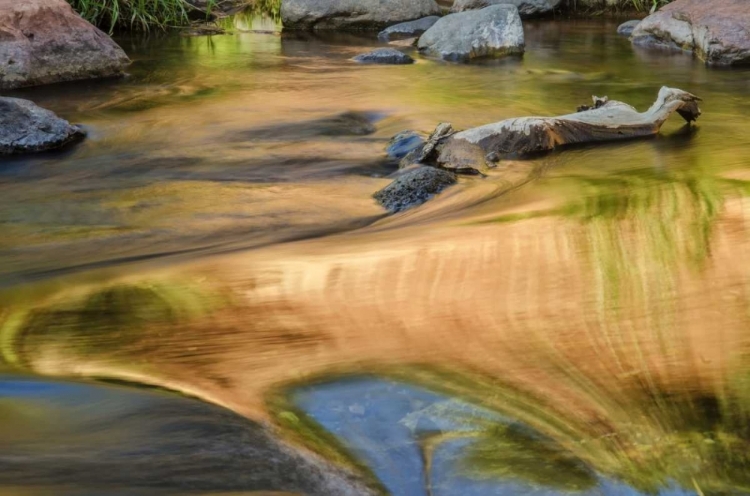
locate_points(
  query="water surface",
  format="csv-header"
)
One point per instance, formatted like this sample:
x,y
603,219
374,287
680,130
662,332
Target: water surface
x,y
599,296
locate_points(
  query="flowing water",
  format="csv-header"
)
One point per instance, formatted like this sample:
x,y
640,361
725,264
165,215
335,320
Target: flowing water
x,y
216,235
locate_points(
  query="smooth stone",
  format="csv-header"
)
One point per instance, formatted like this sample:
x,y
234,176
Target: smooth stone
x,y
403,143
45,41
626,28
26,128
717,32
463,157
526,8
408,29
384,56
491,32
353,14
414,187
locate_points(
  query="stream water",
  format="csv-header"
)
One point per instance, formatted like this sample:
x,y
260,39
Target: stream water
x,y
216,235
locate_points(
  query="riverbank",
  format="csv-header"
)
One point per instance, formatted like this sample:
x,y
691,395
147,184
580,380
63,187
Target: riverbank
x,y
122,15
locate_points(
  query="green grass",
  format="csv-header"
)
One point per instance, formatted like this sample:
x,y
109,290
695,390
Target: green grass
x,y
134,14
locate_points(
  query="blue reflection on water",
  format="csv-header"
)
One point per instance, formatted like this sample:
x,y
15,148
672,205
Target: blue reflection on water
x,y
381,422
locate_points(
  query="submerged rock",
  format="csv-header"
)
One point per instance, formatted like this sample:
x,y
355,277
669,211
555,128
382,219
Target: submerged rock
x,y
491,32
403,143
44,41
626,28
414,187
353,14
26,128
526,8
718,32
408,29
384,56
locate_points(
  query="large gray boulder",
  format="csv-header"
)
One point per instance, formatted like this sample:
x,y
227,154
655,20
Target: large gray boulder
x,y
44,41
25,128
526,8
353,14
494,31
408,29
414,187
718,31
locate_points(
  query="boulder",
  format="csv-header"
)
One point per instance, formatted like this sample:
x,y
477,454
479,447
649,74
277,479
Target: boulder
x,y
626,28
353,14
384,56
414,187
491,32
718,32
44,41
25,128
408,29
526,8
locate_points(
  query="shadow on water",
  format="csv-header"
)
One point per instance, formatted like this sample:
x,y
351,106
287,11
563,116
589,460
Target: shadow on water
x,y
81,438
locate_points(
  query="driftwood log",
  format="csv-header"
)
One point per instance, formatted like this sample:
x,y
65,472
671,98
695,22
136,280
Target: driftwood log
x,y
606,120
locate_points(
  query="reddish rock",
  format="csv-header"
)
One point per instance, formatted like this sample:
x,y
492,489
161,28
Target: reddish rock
x,y
716,31
45,41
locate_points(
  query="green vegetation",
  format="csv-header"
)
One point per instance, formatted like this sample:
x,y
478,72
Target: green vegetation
x,y
647,5
136,14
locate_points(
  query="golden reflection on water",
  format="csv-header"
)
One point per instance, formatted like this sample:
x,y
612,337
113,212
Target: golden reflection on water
x,y
606,304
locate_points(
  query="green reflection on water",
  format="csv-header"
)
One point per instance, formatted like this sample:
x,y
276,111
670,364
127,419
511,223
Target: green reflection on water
x,y
107,318
511,452
696,440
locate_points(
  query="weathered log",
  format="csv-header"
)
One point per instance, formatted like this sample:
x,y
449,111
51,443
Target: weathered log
x,y
608,120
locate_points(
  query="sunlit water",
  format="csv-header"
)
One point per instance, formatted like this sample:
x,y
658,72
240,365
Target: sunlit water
x,y
216,235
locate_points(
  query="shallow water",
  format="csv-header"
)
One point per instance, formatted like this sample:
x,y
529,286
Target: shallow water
x,y
599,295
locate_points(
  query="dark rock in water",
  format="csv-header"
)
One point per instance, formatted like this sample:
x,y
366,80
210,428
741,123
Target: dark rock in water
x,y
346,124
353,14
403,143
44,41
491,32
626,28
408,29
414,188
526,8
26,128
384,56
718,31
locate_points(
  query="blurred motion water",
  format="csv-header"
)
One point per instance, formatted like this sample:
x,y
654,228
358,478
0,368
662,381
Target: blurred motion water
x,y
216,235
